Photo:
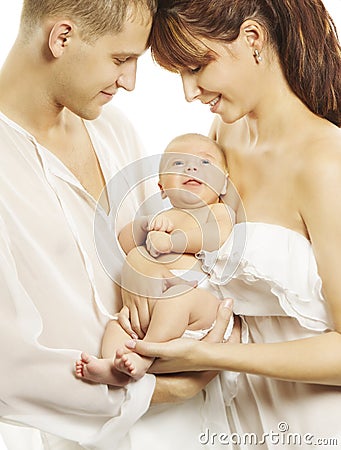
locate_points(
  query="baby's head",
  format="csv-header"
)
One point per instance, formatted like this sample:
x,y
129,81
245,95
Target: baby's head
x,y
193,171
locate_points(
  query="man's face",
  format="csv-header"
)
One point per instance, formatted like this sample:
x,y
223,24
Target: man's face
x,y
89,75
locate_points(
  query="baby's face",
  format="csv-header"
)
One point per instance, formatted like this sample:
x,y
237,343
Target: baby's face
x,y
192,172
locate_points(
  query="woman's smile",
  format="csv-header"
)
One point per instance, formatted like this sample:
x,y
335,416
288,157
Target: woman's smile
x,y
214,103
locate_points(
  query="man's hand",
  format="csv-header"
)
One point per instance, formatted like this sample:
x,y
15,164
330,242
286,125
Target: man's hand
x,y
143,281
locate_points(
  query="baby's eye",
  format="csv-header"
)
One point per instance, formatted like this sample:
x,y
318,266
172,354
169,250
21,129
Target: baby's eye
x,y
178,163
205,162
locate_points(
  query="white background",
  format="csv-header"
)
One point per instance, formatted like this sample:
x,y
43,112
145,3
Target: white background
x,y
157,106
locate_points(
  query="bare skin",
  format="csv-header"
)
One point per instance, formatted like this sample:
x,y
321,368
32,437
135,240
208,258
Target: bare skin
x,y
172,387
193,310
192,176
184,309
279,153
52,113
57,120
88,367
116,371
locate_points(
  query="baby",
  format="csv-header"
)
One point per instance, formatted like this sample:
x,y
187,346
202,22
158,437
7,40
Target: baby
x,y
193,176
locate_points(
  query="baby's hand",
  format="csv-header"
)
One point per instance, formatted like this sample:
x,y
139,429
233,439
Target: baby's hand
x,y
158,243
161,223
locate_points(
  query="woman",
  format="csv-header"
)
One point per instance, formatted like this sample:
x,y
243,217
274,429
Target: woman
x,y
271,71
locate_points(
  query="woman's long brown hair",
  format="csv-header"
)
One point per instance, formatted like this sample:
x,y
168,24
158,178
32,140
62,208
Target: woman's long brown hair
x,y
301,32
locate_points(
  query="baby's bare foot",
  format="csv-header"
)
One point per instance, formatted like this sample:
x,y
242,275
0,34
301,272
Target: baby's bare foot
x,y
100,371
132,364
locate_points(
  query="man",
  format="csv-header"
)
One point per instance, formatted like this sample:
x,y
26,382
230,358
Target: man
x,y
57,153
68,61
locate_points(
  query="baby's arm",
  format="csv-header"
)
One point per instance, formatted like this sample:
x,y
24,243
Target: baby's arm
x,y
135,233
206,236
218,227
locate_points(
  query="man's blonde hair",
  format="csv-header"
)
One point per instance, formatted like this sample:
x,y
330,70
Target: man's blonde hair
x,y
94,17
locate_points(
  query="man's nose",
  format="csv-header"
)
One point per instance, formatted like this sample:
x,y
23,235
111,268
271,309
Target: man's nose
x,y
127,79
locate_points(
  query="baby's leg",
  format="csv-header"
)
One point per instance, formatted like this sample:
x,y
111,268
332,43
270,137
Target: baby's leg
x,y
104,370
132,364
171,316
100,371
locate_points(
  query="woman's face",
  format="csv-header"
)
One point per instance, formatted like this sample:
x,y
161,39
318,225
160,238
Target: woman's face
x,y
230,84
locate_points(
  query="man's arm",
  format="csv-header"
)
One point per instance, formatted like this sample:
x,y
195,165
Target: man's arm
x,y
37,384
181,386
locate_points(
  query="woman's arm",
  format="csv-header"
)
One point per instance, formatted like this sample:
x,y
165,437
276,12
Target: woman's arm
x,y
311,360
320,191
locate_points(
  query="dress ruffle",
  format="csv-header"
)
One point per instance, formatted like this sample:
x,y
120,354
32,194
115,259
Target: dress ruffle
x,y
274,272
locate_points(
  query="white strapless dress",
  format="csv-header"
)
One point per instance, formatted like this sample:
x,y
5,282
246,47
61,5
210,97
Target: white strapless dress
x,y
271,273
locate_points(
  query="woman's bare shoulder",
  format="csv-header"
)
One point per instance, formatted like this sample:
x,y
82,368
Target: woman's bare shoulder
x,y
321,159
322,147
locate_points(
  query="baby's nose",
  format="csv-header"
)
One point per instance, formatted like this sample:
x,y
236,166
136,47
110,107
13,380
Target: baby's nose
x,y
191,168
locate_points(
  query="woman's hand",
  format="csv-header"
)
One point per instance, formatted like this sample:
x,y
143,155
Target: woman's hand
x,y
181,355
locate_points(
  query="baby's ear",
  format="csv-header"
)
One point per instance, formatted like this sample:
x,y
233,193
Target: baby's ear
x,y
163,194
224,188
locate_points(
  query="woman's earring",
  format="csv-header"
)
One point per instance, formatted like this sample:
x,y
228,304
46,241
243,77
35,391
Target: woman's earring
x,y
257,56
